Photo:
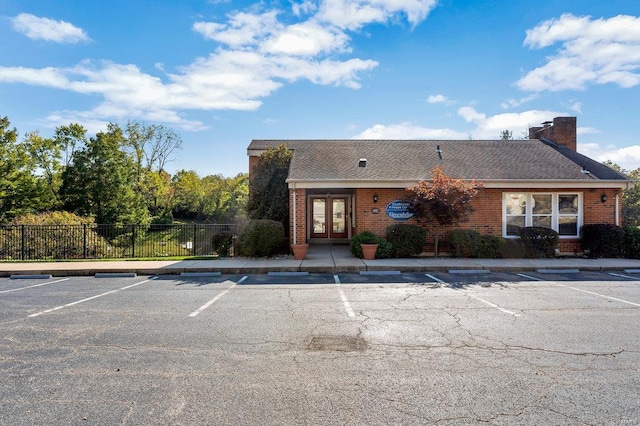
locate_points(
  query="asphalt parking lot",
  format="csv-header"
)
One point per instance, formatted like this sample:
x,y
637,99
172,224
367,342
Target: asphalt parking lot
x,y
444,348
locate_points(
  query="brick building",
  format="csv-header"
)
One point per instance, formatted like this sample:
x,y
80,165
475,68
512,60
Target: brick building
x,y
339,188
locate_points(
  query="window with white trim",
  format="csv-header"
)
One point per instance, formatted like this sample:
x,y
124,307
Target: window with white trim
x,y
560,211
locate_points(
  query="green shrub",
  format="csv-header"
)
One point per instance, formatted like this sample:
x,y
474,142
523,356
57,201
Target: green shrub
x,y
539,241
261,238
490,247
470,243
385,249
221,243
407,240
51,235
632,242
602,240
464,243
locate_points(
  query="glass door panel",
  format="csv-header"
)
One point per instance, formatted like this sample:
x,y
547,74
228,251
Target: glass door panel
x,y
339,218
319,217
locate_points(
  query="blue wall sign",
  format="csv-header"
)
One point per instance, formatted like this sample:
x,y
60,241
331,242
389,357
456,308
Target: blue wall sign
x,y
399,210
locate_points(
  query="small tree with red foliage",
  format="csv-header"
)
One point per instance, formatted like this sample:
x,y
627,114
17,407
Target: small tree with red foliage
x,y
442,201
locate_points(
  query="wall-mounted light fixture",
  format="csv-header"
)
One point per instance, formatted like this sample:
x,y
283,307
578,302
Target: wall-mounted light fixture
x,y
603,198
362,162
375,198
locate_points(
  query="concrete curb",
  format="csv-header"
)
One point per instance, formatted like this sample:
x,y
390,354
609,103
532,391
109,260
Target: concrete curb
x,y
92,270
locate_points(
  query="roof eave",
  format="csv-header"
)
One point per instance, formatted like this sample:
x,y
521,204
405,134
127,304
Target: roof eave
x,y
493,183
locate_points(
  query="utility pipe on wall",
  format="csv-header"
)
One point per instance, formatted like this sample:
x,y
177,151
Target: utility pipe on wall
x,y
295,219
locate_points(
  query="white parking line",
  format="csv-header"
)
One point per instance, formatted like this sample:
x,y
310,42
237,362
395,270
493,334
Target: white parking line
x,y
57,308
530,277
32,286
622,276
343,297
493,305
436,279
582,291
212,301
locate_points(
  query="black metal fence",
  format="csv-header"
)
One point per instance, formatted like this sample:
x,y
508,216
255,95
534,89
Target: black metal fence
x,y
53,242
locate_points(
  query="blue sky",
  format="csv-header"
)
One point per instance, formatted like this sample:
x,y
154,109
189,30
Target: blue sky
x,y
221,73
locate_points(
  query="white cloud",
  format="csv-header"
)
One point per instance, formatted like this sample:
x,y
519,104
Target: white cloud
x,y
512,103
628,157
304,8
354,14
470,114
586,130
243,29
37,28
596,51
518,123
576,106
256,54
408,131
439,99
307,39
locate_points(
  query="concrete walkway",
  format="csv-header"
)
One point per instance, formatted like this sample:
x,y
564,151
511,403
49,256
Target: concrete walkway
x,y
320,259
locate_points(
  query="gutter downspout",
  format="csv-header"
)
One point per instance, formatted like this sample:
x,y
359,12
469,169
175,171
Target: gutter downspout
x,y
295,221
617,210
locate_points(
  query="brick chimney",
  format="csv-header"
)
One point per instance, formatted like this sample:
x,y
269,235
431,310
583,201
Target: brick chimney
x,y
562,131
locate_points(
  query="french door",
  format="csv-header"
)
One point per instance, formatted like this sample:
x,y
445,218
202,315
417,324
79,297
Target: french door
x,y
329,217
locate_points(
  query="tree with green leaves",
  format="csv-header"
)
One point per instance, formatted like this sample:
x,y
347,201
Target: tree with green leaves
x,y
157,191
151,147
188,194
101,180
213,198
46,155
268,191
69,138
630,196
506,135
21,190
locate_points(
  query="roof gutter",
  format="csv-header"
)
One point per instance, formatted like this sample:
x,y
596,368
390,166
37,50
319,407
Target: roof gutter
x,y
493,183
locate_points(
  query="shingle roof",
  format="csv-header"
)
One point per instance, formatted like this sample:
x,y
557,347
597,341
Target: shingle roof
x,y
411,160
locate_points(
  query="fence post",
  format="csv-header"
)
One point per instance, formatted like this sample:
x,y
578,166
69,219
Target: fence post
x,y
24,241
85,249
195,236
133,240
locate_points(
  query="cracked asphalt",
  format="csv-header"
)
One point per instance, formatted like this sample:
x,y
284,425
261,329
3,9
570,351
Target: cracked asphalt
x,y
441,349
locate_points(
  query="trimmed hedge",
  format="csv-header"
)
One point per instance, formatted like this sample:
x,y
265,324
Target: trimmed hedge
x,y
261,238
602,240
407,240
385,249
539,242
472,244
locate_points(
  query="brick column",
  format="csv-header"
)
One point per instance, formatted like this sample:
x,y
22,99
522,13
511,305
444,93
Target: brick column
x,y
301,216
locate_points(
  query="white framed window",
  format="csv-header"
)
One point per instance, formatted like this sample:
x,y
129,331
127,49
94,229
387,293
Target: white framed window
x,y
560,211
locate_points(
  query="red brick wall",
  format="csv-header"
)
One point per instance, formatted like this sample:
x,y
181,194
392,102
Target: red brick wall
x,y
368,221
301,216
487,217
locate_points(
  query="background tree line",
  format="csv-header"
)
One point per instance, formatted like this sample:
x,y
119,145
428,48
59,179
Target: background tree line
x,y
117,176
